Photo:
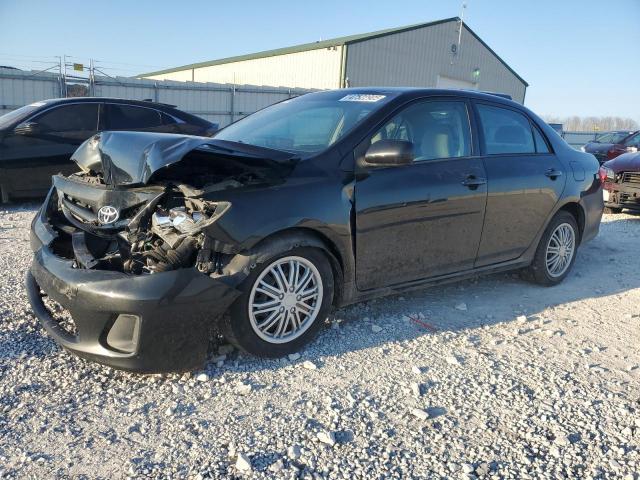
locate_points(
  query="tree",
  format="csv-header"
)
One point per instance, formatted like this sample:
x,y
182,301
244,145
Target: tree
x,y
575,123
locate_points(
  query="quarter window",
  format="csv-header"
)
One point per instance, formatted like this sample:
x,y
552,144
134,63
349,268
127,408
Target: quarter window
x,y
436,129
80,117
541,145
127,117
505,131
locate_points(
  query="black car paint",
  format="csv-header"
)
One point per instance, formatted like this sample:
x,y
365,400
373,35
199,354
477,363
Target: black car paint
x,y
27,162
387,229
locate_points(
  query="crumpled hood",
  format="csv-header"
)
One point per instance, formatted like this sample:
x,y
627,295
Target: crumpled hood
x,y
126,158
627,162
130,158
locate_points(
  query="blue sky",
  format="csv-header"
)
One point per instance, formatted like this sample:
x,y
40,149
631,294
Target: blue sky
x,y
580,57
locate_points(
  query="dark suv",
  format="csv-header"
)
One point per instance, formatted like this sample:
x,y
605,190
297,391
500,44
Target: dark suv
x,y
318,201
37,140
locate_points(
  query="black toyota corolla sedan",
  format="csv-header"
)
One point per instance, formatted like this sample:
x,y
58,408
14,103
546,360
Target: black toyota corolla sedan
x,y
316,202
37,140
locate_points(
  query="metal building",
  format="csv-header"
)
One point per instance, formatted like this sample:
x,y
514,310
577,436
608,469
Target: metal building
x,y
445,54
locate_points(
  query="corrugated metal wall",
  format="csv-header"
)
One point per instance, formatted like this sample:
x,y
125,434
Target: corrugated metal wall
x,y
415,58
220,103
319,69
18,88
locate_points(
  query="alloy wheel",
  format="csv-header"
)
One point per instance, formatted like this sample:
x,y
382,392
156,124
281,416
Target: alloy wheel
x,y
560,250
285,299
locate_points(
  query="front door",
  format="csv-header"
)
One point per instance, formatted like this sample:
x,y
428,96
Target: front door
x,y
425,219
525,180
30,160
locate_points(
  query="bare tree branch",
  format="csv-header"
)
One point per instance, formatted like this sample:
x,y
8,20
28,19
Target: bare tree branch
x,y
591,124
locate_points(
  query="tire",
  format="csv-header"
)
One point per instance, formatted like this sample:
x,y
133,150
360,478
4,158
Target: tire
x,y
540,271
612,210
252,329
4,194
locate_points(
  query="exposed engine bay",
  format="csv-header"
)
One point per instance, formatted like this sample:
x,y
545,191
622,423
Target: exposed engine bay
x,y
149,215
163,233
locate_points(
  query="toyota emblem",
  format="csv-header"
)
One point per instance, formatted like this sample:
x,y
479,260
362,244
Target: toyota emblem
x,y
108,214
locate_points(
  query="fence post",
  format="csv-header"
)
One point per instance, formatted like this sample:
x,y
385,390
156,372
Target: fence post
x,y
233,102
156,93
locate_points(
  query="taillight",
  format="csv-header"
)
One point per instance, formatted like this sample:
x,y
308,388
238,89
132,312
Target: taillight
x,y
615,151
602,173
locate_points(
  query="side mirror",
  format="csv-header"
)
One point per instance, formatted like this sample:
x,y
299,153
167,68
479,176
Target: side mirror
x,y
27,128
389,153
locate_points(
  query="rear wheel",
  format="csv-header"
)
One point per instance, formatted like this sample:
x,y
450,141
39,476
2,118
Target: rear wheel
x,y
556,251
283,304
612,210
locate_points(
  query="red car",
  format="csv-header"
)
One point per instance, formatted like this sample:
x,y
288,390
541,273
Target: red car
x,y
621,177
611,145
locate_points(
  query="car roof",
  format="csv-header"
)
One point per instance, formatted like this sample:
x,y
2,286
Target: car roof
x,y
413,92
144,103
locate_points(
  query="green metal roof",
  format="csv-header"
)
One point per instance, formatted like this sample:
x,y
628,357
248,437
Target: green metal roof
x,y
332,42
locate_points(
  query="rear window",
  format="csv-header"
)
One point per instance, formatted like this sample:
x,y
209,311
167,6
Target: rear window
x,y
633,140
128,117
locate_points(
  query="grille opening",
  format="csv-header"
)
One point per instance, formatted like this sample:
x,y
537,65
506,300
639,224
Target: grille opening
x,y
62,247
631,177
60,315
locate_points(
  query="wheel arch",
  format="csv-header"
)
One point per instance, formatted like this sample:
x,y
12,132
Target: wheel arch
x,y
294,237
575,209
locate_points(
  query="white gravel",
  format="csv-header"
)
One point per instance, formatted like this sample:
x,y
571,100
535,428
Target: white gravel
x,y
513,381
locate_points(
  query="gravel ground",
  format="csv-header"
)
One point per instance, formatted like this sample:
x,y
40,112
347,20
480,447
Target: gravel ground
x,y
489,378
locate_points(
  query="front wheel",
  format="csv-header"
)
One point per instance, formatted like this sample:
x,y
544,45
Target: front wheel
x,y
556,251
283,304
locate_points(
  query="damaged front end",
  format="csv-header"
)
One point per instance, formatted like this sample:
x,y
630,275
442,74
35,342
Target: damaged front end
x,y
135,231
131,247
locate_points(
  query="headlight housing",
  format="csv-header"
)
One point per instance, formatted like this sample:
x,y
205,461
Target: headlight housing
x,y
610,175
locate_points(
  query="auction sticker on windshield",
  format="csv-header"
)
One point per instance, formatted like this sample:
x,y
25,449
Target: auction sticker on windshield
x,y
361,97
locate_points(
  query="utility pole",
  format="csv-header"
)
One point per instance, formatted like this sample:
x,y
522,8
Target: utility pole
x,y
91,79
64,75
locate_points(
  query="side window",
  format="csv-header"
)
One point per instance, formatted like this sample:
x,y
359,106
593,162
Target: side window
x,y
541,144
81,117
437,129
127,117
505,131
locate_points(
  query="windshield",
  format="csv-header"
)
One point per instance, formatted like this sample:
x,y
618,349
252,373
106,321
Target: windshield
x,y
604,138
612,137
15,115
305,125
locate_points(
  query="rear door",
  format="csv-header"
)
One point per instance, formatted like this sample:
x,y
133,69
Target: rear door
x,y
31,160
424,219
525,181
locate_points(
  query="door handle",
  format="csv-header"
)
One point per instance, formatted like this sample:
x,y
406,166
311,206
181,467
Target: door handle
x,y
552,173
473,182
